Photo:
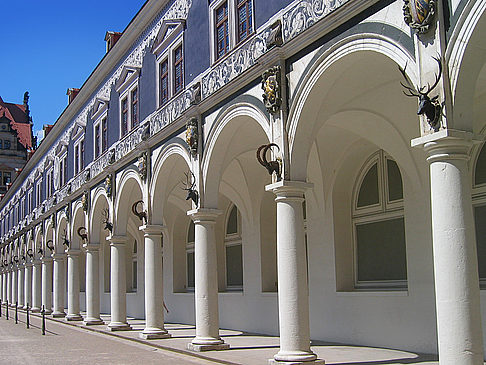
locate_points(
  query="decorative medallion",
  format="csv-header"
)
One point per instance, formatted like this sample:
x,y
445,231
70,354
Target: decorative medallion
x,y
192,135
196,94
271,88
109,185
419,14
275,39
142,165
85,201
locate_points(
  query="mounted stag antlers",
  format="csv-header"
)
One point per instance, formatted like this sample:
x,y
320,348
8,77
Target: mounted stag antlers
x,y
50,247
191,192
65,241
30,253
428,106
272,166
82,234
141,215
106,220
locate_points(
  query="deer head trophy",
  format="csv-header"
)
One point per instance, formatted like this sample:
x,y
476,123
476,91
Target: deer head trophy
x,y
65,241
106,220
142,215
40,251
16,259
82,234
429,106
272,166
50,246
189,187
30,253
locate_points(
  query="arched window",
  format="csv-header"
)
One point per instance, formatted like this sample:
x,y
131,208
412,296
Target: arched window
x,y
233,251
190,276
134,267
479,206
379,226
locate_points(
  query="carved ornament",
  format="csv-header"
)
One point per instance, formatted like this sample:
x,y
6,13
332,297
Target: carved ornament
x,y
271,88
419,14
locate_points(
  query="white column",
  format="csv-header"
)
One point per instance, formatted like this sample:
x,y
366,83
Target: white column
x,y
28,285
36,286
293,295
4,287
92,285
118,285
47,284
9,285
59,279
20,286
206,282
454,248
154,284
73,285
15,275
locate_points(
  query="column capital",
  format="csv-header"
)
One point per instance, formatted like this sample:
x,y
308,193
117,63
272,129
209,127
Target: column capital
x,y
288,189
117,240
58,256
447,144
152,229
46,259
208,215
73,252
92,246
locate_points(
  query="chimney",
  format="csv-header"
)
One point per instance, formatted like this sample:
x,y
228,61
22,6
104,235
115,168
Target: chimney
x,y
47,128
111,38
72,93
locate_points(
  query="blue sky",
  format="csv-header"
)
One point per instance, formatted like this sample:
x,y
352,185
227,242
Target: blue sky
x,y
50,46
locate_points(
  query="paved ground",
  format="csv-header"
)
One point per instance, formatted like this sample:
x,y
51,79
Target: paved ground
x,y
74,343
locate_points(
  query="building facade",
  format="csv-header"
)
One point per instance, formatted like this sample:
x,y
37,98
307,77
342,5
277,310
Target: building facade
x,y
313,169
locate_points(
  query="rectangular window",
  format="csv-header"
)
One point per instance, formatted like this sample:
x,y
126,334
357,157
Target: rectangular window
x,y
81,155
134,275
29,202
97,141
135,118
104,137
76,159
7,178
164,82
234,266
38,193
222,30
1,144
124,126
190,270
244,19
1,179
178,70
6,144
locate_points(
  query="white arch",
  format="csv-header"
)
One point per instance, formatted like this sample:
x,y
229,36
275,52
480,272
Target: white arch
x,y
128,175
353,44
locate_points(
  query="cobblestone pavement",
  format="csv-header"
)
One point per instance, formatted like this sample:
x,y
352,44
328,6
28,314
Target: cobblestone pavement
x,y
65,344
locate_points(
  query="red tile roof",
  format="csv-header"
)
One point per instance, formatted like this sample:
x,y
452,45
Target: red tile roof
x,y
19,121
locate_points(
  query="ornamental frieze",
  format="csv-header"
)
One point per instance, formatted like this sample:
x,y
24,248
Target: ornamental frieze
x,y
171,112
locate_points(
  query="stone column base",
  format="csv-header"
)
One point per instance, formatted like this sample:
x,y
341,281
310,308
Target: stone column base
x,y
24,307
314,362
35,310
92,321
119,326
58,314
155,335
74,317
209,347
47,311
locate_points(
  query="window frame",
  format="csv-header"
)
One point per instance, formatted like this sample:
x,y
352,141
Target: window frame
x,y
128,82
101,118
79,158
232,240
233,27
189,249
383,211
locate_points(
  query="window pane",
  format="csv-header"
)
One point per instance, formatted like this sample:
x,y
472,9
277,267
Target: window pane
x,y
104,140
234,266
190,269
232,225
395,187
480,172
381,250
134,275
480,220
368,192
190,232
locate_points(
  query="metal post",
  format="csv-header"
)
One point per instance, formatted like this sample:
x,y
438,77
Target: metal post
x,y
43,321
7,310
27,313
16,314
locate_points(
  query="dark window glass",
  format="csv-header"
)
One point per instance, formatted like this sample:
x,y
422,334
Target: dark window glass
x,y
76,159
395,187
164,82
480,222
6,144
81,155
1,144
135,118
480,171
65,170
222,34
381,250
244,19
7,178
97,141
178,70
190,270
104,139
124,117
190,233
234,266
232,225
368,191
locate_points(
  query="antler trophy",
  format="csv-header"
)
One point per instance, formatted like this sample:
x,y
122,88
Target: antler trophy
x,y
82,234
106,220
65,241
428,106
142,215
189,187
50,247
272,166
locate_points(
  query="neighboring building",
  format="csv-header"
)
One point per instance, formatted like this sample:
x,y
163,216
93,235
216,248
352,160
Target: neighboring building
x,y
16,140
366,231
